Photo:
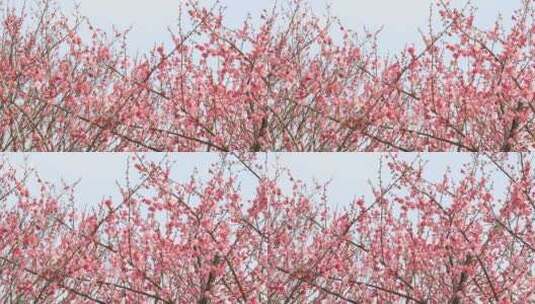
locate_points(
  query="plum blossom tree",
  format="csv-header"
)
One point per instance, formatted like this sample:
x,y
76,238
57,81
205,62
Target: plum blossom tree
x,y
454,239
287,80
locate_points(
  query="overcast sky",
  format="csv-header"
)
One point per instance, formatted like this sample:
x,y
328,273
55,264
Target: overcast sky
x,y
349,172
401,19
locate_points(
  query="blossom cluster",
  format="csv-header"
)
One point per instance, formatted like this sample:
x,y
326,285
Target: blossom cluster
x,y
455,239
286,81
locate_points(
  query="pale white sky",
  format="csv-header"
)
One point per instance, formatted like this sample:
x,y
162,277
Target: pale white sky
x,y
349,172
400,19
